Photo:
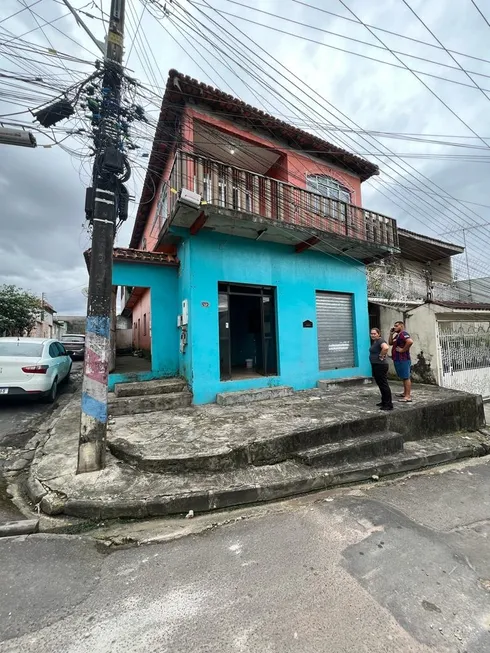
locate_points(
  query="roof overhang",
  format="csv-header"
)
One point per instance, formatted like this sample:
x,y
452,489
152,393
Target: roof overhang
x,y
128,255
417,247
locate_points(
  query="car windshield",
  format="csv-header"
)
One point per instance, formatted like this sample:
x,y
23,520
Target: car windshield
x,y
27,349
73,339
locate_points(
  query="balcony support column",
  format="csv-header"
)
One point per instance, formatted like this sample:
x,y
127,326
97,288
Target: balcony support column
x,y
301,247
198,223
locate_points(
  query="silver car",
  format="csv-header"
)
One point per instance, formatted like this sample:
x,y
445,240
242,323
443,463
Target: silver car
x,y
74,344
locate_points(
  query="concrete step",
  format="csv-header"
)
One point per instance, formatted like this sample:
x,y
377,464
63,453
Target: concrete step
x,y
148,403
373,445
129,493
248,396
337,384
156,387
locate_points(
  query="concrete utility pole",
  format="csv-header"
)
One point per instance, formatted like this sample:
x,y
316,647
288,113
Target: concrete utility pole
x,y
102,207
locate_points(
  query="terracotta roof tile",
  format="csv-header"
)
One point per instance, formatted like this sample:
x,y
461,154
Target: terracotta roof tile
x,y
129,255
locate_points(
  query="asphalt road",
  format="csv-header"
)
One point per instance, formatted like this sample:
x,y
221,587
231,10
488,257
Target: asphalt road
x,y
19,419
20,416
403,567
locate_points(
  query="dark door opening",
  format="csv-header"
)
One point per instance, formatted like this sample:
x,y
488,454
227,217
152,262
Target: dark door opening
x,y
247,330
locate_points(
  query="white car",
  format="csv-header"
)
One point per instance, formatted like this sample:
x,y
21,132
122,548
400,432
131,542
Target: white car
x,y
33,366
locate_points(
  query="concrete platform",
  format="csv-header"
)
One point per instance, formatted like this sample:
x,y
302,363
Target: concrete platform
x,y
216,438
211,457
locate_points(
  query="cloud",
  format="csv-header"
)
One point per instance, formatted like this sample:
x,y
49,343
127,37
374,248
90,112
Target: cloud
x,y
42,190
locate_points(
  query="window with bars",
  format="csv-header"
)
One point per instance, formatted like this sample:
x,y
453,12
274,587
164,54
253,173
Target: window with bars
x,y
328,187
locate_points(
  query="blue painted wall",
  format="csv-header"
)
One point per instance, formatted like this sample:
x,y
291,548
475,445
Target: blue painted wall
x,y
163,282
210,258
184,288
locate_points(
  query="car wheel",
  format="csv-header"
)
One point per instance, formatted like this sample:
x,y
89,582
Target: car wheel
x,y
52,394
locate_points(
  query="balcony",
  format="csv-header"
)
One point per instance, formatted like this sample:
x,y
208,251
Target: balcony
x,y
246,204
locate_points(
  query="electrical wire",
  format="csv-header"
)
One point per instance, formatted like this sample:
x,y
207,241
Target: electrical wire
x,y
400,66
344,36
480,12
327,103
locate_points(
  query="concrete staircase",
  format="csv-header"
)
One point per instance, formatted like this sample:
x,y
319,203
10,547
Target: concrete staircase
x,y
148,396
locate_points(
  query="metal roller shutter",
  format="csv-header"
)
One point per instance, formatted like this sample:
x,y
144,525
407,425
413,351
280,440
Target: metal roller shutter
x,y
335,330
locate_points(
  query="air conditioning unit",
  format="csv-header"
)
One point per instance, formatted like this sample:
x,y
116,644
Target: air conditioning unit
x,y
189,198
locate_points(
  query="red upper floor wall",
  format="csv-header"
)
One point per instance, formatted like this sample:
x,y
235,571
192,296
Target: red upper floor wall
x,y
190,106
292,166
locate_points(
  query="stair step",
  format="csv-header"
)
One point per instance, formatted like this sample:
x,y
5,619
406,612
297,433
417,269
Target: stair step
x,y
372,445
337,384
148,403
156,387
248,396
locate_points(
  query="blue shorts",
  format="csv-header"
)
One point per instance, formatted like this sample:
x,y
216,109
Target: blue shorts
x,y
403,369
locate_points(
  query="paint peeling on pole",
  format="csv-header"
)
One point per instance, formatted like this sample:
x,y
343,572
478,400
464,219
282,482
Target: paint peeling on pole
x,y
94,395
108,170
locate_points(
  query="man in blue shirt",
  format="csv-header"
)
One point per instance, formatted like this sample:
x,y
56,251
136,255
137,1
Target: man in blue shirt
x,y
400,352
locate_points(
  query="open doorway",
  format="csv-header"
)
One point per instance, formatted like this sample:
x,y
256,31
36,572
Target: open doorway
x,y
247,330
133,331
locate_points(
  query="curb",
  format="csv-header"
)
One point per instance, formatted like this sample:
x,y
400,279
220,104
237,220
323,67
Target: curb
x,y
210,500
20,527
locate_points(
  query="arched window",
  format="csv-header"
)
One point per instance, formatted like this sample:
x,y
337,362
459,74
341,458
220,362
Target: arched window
x,y
328,187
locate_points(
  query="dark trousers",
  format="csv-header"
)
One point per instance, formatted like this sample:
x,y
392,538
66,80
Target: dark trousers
x,y
380,374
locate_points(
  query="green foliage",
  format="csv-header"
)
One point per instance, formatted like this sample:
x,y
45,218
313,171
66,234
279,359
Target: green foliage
x,y
18,311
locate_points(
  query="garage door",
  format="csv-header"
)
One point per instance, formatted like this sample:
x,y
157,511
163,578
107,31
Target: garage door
x,y
335,330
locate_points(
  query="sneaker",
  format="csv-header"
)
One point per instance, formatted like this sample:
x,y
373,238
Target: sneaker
x,y
386,408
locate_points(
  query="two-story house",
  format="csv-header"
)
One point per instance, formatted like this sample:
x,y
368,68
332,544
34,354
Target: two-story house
x,y
47,325
247,262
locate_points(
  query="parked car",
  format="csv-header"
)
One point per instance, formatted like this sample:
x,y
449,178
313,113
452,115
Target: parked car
x,y
74,344
33,366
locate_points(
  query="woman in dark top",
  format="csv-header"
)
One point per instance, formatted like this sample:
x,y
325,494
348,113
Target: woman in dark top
x,y
377,355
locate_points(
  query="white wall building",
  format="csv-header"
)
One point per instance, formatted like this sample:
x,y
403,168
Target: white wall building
x,y
451,332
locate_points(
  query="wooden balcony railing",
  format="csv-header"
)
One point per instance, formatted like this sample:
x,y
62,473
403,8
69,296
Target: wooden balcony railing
x,y
247,192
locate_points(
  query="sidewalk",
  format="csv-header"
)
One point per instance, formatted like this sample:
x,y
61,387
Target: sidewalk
x,y
212,457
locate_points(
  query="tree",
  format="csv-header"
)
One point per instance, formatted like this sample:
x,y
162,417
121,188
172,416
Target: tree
x,y
18,311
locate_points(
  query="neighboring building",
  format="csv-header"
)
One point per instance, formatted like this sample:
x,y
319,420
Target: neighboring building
x,y
47,326
246,267
475,290
448,321
73,323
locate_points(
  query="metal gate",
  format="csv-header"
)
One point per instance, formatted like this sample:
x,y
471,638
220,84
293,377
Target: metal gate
x,y
465,356
335,330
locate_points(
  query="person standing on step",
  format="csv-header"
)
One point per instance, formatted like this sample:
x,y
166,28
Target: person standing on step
x,y
377,355
401,342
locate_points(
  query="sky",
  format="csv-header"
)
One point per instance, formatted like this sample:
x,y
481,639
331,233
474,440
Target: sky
x,y
431,188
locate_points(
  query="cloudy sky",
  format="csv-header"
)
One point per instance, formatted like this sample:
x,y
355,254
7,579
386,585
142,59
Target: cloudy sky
x,y
350,89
